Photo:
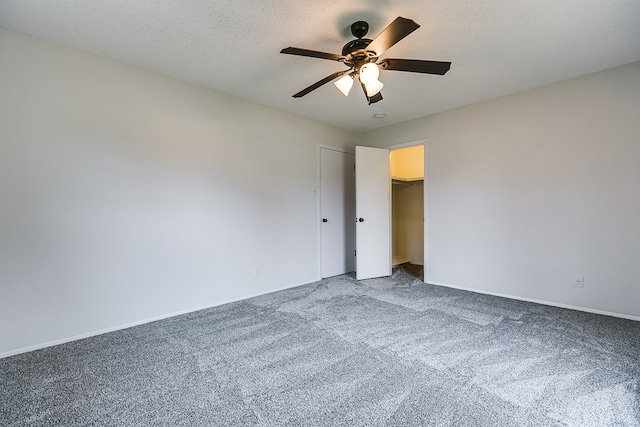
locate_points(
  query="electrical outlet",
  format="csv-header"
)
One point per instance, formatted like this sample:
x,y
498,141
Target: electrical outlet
x,y
256,271
578,281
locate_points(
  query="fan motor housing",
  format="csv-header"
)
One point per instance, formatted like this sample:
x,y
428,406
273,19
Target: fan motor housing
x,y
355,45
356,55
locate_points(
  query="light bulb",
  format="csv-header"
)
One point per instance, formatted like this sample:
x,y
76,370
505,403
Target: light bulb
x,y
344,84
373,87
369,73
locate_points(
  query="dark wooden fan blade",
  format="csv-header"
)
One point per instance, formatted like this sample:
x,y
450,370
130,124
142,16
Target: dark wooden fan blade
x,y
311,53
416,66
375,98
396,31
316,85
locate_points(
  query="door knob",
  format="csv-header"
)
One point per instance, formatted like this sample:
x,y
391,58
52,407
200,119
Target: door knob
x,y
325,220
360,219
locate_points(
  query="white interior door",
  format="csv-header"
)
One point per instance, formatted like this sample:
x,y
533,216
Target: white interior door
x,y
373,212
337,210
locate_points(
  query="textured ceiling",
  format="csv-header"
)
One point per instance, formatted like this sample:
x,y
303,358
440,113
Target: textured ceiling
x,y
496,47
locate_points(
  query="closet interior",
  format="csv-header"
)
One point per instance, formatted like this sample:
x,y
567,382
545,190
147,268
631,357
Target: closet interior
x,y
407,204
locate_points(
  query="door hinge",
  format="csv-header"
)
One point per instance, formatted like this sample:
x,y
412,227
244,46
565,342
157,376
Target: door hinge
x,y
354,253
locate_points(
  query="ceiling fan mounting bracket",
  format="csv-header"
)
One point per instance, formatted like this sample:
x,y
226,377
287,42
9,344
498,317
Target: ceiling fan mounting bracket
x,y
359,29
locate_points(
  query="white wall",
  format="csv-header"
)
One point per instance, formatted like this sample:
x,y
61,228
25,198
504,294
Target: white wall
x,y
527,190
127,195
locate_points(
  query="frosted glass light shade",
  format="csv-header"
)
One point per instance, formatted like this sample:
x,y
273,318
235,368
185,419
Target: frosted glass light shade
x,y
373,87
369,73
344,84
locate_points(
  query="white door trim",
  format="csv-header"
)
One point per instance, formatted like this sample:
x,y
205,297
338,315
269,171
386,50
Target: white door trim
x,y
426,198
340,149
407,144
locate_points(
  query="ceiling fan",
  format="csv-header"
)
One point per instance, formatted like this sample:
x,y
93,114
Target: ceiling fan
x,y
361,56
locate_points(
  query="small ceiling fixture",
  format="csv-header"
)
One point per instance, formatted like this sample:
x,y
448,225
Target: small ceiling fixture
x,y
361,54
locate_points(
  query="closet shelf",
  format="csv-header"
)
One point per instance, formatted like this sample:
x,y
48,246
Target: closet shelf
x,y
396,180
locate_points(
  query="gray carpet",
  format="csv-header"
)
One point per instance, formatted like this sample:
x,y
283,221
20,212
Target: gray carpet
x,y
339,352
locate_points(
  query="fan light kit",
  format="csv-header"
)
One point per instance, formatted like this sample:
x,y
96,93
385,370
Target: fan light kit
x,y
361,56
344,84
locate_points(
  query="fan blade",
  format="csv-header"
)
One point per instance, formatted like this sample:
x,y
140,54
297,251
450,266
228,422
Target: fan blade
x,y
375,98
416,66
311,53
316,85
396,31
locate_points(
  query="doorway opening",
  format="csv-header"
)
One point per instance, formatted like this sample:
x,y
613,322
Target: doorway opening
x,y
407,205
389,205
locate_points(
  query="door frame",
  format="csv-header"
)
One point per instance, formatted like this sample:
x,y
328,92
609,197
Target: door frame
x,y
425,198
316,191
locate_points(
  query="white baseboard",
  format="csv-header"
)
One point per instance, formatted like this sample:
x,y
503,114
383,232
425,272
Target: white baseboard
x,y
136,323
401,260
397,260
537,301
190,310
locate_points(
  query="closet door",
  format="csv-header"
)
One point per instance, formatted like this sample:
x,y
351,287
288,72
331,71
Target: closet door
x,y
373,212
337,210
